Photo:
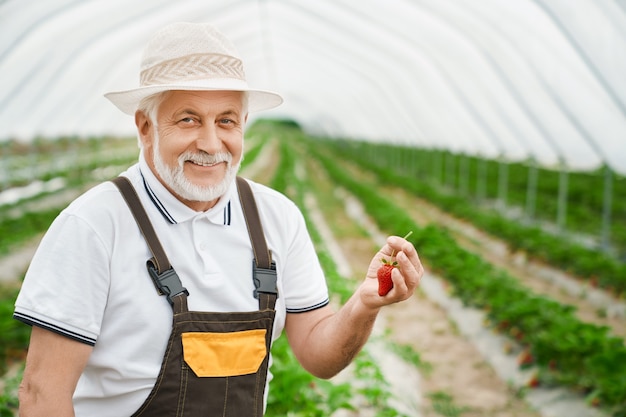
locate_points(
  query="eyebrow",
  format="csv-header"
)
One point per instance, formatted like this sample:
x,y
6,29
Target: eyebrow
x,y
229,112
187,111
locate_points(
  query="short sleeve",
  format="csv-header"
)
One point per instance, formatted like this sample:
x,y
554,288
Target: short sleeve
x,y
304,282
65,288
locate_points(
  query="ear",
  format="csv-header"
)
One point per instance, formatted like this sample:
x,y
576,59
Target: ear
x,y
144,127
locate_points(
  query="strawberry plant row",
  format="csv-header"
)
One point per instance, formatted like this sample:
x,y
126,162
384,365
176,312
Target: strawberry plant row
x,y
16,230
598,268
294,391
19,222
8,396
13,335
581,356
524,186
79,171
45,159
286,181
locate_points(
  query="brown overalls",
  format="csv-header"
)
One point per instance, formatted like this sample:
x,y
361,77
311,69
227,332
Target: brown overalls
x,y
215,364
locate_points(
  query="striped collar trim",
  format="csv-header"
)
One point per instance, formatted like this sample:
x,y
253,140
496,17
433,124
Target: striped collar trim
x,y
157,203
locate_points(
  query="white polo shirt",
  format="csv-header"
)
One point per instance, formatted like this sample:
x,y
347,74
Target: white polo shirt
x,y
88,279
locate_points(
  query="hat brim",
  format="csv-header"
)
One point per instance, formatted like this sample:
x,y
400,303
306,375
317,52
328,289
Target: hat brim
x,y
258,100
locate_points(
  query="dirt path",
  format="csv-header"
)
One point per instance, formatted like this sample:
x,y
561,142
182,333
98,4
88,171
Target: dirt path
x,y
262,168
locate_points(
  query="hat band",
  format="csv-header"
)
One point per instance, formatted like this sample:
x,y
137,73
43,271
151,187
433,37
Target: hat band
x,y
193,67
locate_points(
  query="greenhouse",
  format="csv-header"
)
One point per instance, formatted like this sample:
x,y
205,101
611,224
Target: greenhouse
x,y
494,131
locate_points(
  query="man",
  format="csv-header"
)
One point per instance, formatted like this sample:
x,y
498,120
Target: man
x,y
105,343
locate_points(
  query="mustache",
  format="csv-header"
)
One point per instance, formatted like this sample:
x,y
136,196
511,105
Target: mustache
x,y
204,158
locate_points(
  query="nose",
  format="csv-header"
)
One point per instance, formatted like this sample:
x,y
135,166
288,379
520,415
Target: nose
x,y
208,139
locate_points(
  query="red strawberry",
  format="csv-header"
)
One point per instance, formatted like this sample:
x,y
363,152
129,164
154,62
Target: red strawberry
x,y
385,284
533,382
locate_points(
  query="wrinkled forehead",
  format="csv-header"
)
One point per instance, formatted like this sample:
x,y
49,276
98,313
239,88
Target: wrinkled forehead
x,y
213,100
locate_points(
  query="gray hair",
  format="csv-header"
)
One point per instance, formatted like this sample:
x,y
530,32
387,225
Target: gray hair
x,y
150,107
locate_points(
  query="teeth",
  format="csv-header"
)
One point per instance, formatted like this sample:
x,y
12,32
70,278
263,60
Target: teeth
x,y
202,159
204,164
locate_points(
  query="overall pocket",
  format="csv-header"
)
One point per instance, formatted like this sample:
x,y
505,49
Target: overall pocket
x,y
224,354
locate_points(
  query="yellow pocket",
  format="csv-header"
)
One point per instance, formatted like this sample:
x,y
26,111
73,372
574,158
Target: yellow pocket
x,y
224,354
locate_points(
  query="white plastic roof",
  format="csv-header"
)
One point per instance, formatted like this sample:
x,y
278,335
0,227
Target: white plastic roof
x,y
510,78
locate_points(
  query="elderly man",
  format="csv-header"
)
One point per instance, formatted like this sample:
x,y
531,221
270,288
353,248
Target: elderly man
x,y
231,261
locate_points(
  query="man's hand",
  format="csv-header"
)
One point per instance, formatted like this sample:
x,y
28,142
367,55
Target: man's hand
x,y
406,276
325,342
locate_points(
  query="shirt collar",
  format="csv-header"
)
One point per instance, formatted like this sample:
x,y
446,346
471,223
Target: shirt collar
x,y
175,211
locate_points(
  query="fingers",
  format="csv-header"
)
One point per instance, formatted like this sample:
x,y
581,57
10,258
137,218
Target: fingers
x,y
407,276
398,245
408,273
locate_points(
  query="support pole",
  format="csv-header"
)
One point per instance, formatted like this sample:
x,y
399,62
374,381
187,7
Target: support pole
x,y
503,182
562,199
5,171
450,170
607,209
464,174
531,190
437,166
481,179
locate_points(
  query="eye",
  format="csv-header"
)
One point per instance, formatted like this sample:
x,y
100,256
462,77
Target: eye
x,y
227,123
188,121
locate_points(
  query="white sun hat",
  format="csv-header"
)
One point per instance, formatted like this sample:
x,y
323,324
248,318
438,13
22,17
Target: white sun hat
x,y
193,57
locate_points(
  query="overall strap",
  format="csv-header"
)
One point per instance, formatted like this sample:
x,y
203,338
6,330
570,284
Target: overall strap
x,y
163,274
159,267
263,269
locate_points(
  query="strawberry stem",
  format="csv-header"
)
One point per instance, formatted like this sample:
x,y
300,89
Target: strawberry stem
x,y
407,235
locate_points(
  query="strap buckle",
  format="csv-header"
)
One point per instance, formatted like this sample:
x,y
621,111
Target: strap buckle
x,y
264,279
167,283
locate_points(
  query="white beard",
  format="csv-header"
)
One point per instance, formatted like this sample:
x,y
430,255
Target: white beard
x,y
177,181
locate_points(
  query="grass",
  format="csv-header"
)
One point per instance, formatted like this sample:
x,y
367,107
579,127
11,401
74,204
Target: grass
x,y
8,395
443,404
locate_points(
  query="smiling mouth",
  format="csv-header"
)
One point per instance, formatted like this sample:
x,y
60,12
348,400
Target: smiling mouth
x,y
204,164
205,160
